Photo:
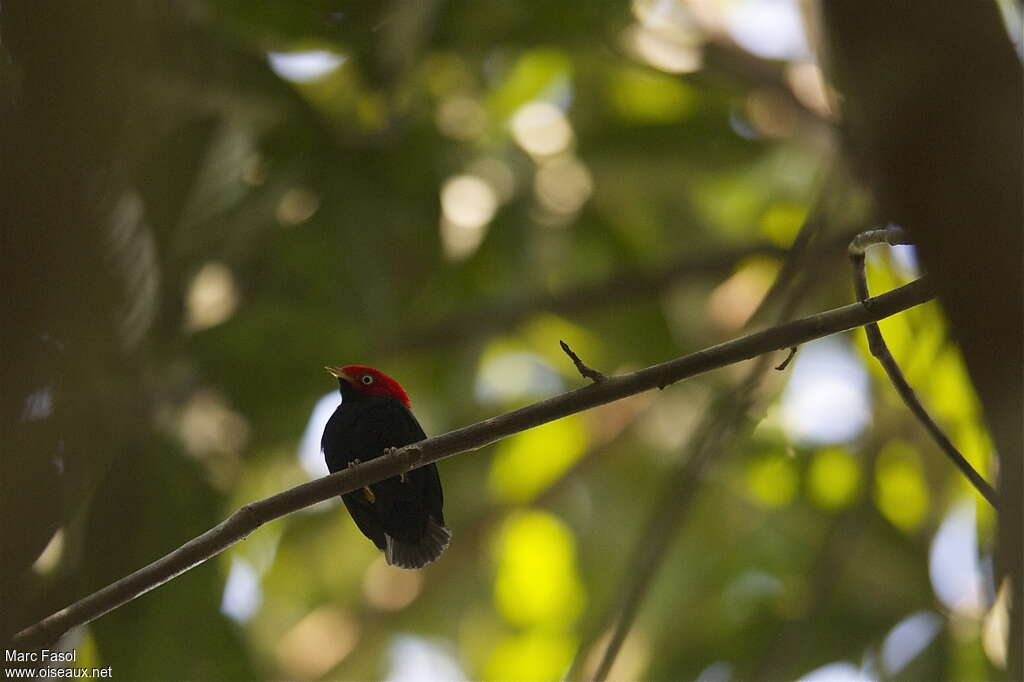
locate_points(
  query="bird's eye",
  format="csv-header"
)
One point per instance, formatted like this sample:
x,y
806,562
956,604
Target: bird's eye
x,y
367,379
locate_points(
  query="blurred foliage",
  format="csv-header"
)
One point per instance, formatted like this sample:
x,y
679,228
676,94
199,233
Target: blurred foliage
x,y
191,233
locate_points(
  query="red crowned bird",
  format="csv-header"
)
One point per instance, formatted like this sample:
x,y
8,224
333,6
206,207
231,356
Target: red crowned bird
x,y
402,515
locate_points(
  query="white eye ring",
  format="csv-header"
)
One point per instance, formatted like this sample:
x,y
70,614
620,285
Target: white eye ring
x,y
367,379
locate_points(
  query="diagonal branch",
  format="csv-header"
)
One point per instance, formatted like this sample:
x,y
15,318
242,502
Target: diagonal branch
x,y
585,370
718,424
253,515
664,521
620,287
879,349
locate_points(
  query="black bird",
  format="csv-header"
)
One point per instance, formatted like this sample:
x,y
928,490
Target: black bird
x,y
402,514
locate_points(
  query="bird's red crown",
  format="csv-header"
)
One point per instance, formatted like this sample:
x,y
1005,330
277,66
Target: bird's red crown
x,y
370,381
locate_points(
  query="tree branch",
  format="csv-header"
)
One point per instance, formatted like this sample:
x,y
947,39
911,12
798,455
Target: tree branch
x,y
253,515
781,367
676,497
585,371
879,349
626,285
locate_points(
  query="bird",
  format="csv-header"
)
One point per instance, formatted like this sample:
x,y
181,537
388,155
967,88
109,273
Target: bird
x,y
402,515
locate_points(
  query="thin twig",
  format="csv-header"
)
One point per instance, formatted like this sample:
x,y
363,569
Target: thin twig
x,y
781,367
879,349
581,366
253,515
892,235
661,528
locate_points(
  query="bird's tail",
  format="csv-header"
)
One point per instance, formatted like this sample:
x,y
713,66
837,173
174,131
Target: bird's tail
x,y
418,554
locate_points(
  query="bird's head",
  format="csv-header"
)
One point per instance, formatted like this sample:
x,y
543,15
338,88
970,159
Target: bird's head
x,y
369,381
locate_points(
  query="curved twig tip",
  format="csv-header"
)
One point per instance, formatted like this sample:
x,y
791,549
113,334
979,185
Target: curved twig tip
x,y
584,370
789,358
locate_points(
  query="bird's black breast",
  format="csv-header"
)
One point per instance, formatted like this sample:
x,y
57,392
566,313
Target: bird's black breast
x,y
363,429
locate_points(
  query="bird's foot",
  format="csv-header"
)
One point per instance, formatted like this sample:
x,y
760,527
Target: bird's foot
x,y
367,490
404,477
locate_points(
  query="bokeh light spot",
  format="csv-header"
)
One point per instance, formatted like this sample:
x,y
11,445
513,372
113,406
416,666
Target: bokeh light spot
x,y
671,54
826,399
563,184
317,643
953,563
208,424
303,67
527,463
51,555
950,392
537,583
242,593
541,129
772,29
535,655
639,96
772,481
296,206
770,113
840,671
212,297
733,301
460,117
900,491
808,84
468,203
833,478
908,639
995,630
665,36
388,588
781,222
539,74
310,455
416,659
510,375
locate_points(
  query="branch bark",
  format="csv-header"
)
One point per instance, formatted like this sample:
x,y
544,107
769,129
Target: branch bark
x,y
253,515
585,371
879,349
933,108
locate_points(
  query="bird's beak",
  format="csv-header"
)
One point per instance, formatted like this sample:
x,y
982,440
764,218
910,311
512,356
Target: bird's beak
x,y
338,373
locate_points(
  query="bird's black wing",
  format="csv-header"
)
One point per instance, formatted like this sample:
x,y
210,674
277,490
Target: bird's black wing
x,y
426,478
363,430
425,481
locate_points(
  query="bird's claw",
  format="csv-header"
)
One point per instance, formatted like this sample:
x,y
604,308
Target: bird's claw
x,y
367,490
401,477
